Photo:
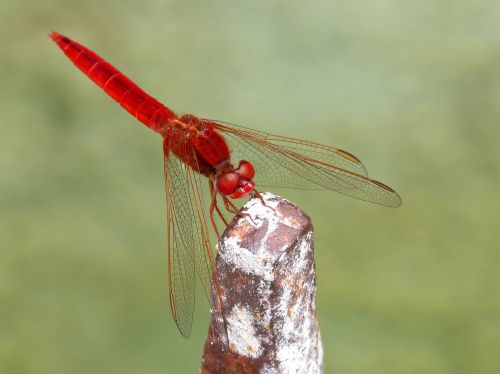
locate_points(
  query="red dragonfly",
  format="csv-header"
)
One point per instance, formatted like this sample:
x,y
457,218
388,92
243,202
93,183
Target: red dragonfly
x,y
195,148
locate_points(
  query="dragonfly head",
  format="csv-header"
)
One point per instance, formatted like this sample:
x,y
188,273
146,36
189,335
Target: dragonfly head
x,y
236,183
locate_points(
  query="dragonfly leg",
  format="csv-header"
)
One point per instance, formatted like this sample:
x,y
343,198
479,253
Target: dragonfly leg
x,y
218,210
231,208
213,206
220,214
257,194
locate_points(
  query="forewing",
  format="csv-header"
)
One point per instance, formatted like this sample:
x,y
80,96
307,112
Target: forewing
x,y
189,251
292,163
315,151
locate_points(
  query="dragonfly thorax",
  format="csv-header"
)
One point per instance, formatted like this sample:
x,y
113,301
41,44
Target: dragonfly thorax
x,y
196,143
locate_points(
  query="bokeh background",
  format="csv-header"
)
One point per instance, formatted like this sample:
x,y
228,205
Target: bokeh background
x,y
412,88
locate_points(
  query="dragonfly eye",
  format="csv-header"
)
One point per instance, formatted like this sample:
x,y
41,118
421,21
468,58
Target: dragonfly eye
x,y
227,183
246,170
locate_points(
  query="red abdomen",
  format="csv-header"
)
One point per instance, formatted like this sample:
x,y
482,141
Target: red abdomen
x,y
130,96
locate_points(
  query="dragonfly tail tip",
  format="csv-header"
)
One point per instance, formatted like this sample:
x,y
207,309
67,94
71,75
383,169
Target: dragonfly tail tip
x,y
54,35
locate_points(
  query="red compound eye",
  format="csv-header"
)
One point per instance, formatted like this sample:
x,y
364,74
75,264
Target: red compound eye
x,y
246,170
227,183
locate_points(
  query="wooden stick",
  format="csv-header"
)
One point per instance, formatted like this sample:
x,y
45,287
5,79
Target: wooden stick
x,y
267,280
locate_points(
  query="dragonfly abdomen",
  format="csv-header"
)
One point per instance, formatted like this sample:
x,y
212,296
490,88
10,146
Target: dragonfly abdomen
x,y
125,92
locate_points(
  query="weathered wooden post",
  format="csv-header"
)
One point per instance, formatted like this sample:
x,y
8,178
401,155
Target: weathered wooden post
x,y
267,281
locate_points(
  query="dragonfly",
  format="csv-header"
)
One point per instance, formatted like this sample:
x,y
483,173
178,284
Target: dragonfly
x,y
197,150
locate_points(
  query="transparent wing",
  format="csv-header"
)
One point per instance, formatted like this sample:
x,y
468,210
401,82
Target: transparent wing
x,y
292,163
189,252
315,151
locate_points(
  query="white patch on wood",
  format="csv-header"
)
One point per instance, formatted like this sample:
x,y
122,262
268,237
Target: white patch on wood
x,y
245,260
241,332
296,340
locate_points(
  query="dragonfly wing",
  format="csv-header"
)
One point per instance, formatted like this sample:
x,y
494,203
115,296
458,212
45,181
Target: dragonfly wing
x,y
189,252
315,151
292,163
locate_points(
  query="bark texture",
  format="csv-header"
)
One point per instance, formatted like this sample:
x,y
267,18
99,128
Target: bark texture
x,y
267,285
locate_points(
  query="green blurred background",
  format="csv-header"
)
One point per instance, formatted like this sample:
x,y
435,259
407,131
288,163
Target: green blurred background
x,y
412,88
